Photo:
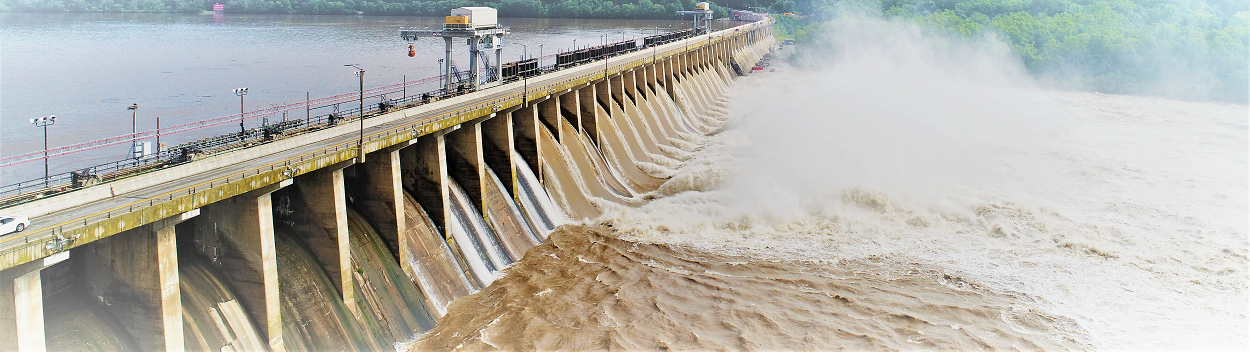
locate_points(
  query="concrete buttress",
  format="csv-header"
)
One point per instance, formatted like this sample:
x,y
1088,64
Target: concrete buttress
x,y
380,195
238,235
21,308
464,162
587,113
135,275
498,148
525,127
319,204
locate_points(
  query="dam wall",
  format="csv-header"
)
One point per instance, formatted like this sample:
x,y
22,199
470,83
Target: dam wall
x,y
332,241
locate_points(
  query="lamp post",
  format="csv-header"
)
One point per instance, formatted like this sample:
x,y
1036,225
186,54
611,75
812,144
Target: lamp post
x,y
134,130
241,92
540,55
440,75
44,122
360,144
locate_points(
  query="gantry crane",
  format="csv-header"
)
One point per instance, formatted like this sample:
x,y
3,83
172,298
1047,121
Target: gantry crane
x,y
480,26
701,18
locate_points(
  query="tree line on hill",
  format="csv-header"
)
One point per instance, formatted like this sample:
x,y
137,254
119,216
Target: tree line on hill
x,y
1177,48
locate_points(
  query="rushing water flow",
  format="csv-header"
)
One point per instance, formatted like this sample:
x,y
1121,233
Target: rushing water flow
x,y
314,316
475,245
433,266
469,220
911,193
387,299
502,213
540,211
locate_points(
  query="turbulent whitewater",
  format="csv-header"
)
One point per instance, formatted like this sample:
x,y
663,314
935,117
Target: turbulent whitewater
x,y
908,192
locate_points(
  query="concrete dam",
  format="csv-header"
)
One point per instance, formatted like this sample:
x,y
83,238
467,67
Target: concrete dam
x,y
359,236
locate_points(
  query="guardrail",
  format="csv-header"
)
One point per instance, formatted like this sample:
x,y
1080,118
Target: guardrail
x,y
54,242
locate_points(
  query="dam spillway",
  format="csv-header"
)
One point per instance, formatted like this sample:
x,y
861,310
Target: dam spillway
x,y
326,241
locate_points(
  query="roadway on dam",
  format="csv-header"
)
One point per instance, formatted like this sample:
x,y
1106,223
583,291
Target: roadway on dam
x,y
343,133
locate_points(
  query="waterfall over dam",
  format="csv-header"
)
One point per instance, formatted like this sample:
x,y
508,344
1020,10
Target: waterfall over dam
x,y
365,244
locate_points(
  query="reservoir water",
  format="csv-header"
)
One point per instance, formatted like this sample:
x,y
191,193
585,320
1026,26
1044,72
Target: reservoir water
x,y
88,68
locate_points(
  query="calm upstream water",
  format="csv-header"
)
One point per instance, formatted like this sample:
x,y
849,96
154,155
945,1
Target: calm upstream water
x,y
88,68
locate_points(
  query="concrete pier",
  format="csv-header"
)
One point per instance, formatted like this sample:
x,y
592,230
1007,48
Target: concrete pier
x,y
318,203
135,275
238,236
380,196
21,307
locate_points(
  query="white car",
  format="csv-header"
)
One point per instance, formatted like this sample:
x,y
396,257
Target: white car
x,y
10,224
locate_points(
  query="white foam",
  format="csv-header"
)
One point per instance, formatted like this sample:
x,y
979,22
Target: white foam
x,y
1126,214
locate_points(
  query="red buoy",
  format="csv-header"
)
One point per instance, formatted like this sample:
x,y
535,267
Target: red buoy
x,y
411,53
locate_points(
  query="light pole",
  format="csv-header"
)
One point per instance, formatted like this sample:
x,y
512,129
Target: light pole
x,y
540,55
44,122
360,144
440,75
134,130
241,92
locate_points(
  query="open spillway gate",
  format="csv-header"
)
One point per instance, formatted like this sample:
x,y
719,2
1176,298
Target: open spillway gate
x,y
333,241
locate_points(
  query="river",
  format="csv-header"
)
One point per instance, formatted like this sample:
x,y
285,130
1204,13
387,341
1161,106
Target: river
x,y
88,68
